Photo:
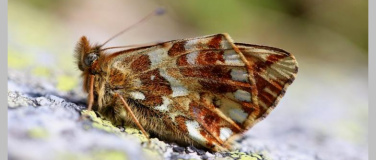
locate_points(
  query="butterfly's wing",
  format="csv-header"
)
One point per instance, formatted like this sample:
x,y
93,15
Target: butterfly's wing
x,y
209,87
273,70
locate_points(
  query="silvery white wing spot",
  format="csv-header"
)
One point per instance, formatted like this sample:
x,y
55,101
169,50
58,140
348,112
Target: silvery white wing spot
x,y
202,91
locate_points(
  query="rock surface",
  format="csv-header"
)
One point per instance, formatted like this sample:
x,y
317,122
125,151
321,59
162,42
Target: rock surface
x,y
43,123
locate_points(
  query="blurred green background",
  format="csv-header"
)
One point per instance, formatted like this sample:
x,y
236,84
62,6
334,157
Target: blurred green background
x,y
42,34
328,38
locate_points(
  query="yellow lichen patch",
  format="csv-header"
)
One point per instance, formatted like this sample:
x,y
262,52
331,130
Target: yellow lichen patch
x,y
107,126
110,155
100,123
66,83
41,71
136,132
89,114
38,133
96,154
17,60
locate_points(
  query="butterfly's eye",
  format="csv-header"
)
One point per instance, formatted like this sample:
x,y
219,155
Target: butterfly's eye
x,y
90,59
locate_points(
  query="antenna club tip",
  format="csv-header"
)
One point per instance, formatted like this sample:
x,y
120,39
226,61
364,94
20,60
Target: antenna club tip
x,y
160,11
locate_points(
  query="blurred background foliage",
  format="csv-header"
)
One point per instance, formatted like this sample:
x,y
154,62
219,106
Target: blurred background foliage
x,y
328,38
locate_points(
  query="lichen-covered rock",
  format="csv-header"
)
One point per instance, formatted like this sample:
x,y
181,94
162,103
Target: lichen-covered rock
x,y
49,128
45,123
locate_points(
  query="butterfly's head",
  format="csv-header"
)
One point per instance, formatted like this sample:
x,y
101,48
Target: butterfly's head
x,y
86,54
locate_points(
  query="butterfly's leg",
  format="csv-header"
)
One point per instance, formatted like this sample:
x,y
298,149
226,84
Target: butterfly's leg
x,y
126,106
90,99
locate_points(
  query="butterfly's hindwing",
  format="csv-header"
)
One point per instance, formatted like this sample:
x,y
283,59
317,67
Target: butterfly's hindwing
x,y
273,69
210,88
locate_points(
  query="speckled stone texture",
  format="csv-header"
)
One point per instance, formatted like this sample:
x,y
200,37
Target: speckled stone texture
x,y
43,123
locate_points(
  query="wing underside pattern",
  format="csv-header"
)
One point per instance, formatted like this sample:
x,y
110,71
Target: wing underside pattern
x,y
210,87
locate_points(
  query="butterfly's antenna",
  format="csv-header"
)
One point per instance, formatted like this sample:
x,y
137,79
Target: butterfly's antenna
x,y
130,46
157,12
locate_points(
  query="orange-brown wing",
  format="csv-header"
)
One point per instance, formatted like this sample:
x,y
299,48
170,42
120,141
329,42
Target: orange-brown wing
x,y
208,87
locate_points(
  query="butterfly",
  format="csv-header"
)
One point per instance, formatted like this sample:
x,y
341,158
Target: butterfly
x,y
203,91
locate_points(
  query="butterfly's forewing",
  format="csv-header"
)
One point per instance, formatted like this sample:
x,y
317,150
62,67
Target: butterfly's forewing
x,y
209,87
